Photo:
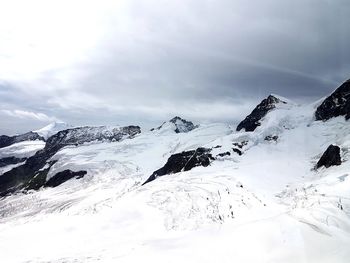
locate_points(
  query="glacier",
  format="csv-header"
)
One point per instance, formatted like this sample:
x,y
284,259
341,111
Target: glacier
x,y
267,204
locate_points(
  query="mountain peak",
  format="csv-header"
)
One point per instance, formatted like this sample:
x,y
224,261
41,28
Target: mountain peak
x,y
273,97
177,124
52,129
182,125
336,104
177,118
252,121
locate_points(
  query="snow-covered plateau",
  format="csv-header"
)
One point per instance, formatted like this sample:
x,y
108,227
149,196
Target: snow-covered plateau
x,y
216,194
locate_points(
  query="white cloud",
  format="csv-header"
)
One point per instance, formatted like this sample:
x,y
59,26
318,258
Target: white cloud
x,y
38,116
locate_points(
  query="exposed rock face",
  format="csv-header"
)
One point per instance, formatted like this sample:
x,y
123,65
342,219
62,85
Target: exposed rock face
x,y
81,135
238,151
224,154
270,138
337,104
252,121
32,174
39,180
184,161
330,157
64,176
180,125
9,140
238,147
5,141
11,160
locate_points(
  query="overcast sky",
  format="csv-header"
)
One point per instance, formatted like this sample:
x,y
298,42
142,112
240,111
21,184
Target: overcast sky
x,y
144,61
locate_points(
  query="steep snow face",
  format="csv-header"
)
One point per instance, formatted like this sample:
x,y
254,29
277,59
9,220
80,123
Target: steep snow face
x,y
52,129
177,125
242,207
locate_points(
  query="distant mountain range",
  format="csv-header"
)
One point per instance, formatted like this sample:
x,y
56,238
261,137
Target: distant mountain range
x,y
285,166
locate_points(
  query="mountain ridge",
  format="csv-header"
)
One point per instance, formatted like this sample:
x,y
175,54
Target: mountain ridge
x,y
164,195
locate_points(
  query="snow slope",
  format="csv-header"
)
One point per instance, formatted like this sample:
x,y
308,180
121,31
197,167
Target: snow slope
x,y
22,149
19,150
267,205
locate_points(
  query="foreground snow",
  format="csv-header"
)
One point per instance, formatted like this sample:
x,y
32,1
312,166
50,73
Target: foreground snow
x,y
268,205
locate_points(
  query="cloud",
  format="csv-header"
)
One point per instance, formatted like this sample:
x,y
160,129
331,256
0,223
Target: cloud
x,y
38,116
144,60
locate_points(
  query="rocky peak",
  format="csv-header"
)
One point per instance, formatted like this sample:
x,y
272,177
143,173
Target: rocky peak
x,y
252,121
182,125
337,104
179,125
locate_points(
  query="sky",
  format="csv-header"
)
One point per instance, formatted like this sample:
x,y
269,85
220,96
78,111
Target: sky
x,y
142,62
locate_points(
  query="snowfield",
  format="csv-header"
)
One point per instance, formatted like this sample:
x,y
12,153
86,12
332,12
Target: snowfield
x,y
267,205
19,150
22,149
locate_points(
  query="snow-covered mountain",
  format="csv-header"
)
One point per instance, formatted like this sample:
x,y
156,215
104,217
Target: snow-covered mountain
x,y
32,174
38,135
52,129
177,125
275,188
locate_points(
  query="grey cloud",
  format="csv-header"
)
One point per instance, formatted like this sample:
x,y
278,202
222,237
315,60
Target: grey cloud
x,y
206,60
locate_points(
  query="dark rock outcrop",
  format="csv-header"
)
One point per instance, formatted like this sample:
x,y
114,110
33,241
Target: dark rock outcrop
x,y
64,176
9,140
238,151
181,125
337,104
32,174
252,121
39,178
330,157
238,147
224,154
6,141
270,138
11,160
183,161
